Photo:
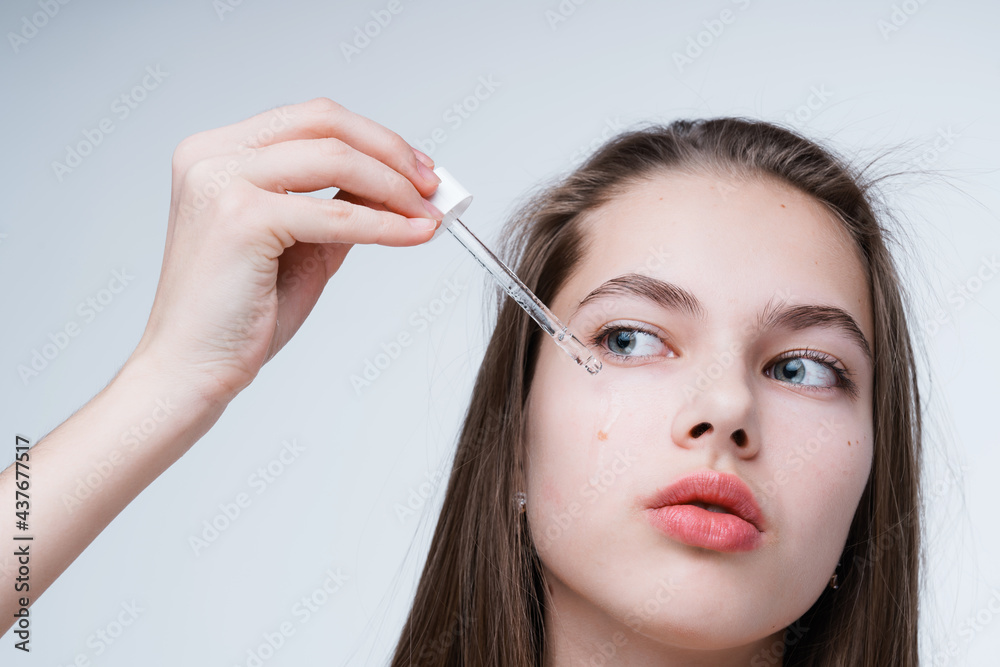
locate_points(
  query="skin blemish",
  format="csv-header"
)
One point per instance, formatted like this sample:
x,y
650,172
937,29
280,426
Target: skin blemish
x,y
601,435
782,206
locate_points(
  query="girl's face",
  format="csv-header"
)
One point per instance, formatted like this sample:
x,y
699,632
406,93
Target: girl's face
x,y
724,314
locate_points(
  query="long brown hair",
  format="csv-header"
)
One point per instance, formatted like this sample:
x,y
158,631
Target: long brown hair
x,y
480,597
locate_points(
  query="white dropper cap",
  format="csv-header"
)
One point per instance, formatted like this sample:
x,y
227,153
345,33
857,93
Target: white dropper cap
x,y
450,198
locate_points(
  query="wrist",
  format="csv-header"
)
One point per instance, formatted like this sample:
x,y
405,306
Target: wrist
x,y
196,400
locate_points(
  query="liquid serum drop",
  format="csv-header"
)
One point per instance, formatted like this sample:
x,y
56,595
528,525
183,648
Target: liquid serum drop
x,y
452,199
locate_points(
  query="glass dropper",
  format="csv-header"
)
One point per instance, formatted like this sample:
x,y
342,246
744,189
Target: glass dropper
x,y
525,298
452,200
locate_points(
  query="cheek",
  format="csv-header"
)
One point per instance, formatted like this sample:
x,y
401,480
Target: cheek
x,y
580,459
814,479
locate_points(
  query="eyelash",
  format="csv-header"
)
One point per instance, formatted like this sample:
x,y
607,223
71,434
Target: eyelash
x,y
608,329
843,375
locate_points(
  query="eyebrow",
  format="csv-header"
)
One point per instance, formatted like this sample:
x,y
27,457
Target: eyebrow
x,y
773,316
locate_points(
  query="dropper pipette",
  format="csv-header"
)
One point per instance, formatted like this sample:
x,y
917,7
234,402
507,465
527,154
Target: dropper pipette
x,y
452,200
525,298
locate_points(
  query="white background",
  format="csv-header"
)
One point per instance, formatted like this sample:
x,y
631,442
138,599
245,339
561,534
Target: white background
x,y
564,81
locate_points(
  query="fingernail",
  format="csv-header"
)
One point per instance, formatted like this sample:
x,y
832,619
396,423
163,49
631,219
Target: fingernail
x,y
423,224
432,209
424,158
427,173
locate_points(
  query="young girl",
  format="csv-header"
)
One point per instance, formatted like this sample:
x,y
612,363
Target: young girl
x,y
737,486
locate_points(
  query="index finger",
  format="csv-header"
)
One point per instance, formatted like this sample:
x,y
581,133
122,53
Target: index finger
x,y
319,118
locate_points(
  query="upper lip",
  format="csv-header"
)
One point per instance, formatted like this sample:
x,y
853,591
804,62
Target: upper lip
x,y
712,488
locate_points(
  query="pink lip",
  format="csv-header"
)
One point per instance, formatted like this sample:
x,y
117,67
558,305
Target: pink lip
x,y
670,511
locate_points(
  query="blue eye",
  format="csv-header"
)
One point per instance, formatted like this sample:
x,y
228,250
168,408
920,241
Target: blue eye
x,y
627,343
805,367
797,370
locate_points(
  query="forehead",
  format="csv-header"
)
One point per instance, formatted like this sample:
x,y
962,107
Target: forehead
x,y
735,244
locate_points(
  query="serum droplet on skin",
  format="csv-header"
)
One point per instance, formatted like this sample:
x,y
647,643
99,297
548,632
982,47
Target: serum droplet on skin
x,y
610,409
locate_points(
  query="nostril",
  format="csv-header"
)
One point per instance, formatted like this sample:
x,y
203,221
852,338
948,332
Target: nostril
x,y
699,429
740,437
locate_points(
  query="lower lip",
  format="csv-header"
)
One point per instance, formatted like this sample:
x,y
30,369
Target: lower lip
x,y
699,527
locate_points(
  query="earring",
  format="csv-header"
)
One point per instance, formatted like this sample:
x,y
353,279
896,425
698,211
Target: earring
x,y
833,580
521,500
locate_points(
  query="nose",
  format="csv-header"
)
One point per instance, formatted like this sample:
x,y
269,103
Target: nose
x,y
739,436
719,416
